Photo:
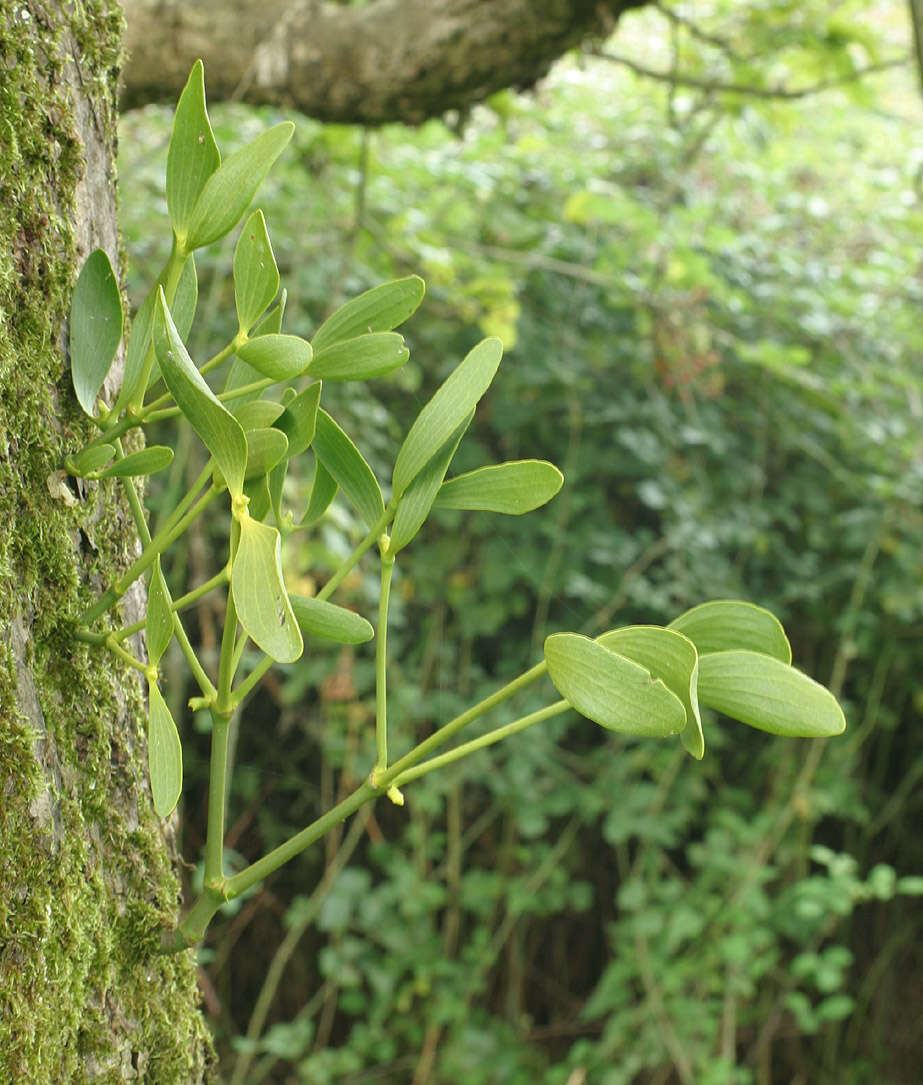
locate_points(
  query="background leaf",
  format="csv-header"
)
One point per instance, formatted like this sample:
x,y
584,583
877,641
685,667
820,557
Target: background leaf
x,y
95,327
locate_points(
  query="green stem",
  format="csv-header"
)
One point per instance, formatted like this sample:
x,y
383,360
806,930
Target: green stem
x,y
178,604
174,270
252,679
381,661
488,739
350,563
217,800
126,657
226,662
257,871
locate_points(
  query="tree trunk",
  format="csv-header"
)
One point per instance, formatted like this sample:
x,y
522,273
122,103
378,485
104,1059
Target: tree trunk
x,y
86,873
389,60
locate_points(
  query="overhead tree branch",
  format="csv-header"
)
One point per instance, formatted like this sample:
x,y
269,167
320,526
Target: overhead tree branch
x,y
388,60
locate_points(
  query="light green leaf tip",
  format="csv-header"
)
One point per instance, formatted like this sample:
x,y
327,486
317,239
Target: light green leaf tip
x,y
512,488
318,618
193,155
158,625
377,310
728,624
256,276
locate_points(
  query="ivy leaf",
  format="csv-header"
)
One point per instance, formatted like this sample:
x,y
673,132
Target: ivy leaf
x,y
256,276
147,461
218,428
164,754
725,625
670,656
299,419
158,622
377,310
449,406
227,193
611,690
346,466
265,448
766,693
95,327
419,496
323,491
259,592
513,488
281,357
362,358
193,155
318,618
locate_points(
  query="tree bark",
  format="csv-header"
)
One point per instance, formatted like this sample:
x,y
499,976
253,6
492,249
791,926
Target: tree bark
x,y
86,878
389,60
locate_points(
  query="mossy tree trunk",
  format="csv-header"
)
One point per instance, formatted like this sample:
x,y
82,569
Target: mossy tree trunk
x,y
86,871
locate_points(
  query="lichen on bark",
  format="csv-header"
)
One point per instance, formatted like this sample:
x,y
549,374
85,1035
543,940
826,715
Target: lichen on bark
x,y
86,878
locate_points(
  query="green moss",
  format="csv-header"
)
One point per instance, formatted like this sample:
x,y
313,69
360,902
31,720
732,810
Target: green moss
x,y
86,874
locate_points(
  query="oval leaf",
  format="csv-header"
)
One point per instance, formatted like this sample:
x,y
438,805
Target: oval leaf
x,y
259,592
257,414
265,448
89,460
148,461
164,755
670,656
445,412
514,488
218,428
95,327
318,618
256,276
377,310
361,358
299,419
724,625
768,694
323,492
158,622
610,689
281,357
193,155
345,465
421,493
227,193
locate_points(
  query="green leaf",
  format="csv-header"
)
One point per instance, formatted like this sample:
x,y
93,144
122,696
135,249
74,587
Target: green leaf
x,y
158,622
318,618
95,327
147,461
323,492
299,419
449,406
259,592
419,496
610,689
218,428
265,448
89,460
345,464
514,488
377,310
724,625
256,276
257,414
257,492
281,357
193,154
361,358
227,193
766,693
164,755
139,340
670,656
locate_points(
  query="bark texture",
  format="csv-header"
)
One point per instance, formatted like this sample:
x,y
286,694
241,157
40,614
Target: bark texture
x,y
389,60
86,877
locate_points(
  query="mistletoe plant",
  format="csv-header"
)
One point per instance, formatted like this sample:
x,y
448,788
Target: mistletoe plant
x,y
639,680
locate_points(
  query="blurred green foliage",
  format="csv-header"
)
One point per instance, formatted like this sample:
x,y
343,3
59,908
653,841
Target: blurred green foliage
x,y
711,305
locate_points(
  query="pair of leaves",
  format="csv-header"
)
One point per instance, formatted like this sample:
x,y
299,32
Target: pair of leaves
x,y
731,656
205,196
